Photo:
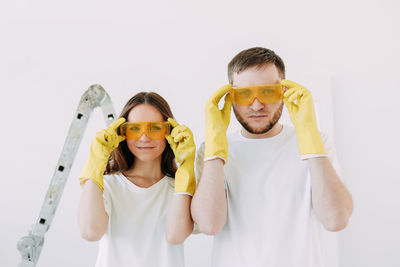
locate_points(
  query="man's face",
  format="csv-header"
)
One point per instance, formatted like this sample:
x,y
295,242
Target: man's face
x,y
257,118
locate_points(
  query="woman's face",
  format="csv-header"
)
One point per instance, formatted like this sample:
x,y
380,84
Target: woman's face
x,y
146,149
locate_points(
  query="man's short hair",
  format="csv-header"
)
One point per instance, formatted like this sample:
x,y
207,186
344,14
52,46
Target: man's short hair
x,y
256,56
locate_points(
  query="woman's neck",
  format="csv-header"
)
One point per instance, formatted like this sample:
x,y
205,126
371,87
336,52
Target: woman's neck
x,y
145,173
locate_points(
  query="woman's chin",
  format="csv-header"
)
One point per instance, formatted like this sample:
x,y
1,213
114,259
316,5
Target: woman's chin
x,y
147,156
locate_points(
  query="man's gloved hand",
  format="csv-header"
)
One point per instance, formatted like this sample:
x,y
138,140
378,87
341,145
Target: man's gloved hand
x,y
102,145
217,122
182,144
299,102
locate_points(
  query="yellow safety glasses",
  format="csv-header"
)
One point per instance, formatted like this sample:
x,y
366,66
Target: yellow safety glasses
x,y
152,129
266,94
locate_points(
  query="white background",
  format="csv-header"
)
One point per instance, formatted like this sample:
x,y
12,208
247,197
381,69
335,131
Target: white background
x,y
51,51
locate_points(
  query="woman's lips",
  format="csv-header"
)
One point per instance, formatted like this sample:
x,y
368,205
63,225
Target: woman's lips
x,y
145,147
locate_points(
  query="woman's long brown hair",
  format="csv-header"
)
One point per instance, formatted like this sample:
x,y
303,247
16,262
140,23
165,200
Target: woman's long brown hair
x,y
121,158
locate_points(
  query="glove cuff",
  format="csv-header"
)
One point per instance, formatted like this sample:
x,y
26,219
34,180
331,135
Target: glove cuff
x,y
94,170
310,142
185,180
216,146
311,156
215,157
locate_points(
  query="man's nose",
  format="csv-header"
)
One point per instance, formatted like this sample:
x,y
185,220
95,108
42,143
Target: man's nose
x,y
256,105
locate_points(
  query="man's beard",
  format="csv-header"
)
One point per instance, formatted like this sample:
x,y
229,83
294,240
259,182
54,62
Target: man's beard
x,y
275,118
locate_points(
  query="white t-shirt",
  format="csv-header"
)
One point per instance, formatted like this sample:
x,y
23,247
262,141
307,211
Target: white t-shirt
x,y
136,228
270,217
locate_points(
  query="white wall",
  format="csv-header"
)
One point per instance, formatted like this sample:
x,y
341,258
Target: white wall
x,y
50,52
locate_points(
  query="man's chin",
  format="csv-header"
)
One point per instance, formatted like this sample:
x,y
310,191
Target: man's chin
x,y
258,127
258,130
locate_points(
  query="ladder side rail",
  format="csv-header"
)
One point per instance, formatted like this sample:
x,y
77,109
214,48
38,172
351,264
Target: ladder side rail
x,y
30,246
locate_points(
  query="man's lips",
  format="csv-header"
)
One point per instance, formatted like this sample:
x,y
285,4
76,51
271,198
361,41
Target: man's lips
x,y
257,116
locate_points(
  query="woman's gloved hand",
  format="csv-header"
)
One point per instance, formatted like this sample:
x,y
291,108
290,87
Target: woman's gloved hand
x,y
182,144
102,145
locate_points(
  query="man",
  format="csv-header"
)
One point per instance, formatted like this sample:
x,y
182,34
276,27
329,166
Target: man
x,y
268,196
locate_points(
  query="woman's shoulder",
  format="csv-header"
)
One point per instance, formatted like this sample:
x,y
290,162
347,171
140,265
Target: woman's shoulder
x,y
112,180
171,181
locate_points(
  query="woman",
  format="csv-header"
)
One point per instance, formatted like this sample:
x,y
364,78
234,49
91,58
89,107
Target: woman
x,y
134,198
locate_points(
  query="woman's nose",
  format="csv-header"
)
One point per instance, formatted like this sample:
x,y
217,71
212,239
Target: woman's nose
x,y
144,138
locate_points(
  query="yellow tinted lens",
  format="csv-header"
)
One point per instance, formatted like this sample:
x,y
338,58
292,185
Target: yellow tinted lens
x,y
270,93
157,130
134,131
243,95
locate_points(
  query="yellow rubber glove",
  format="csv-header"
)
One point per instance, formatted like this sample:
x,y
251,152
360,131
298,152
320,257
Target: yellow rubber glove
x,y
102,145
299,102
182,144
217,122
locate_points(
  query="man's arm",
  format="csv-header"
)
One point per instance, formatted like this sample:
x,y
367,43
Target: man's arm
x,y
179,224
331,200
209,207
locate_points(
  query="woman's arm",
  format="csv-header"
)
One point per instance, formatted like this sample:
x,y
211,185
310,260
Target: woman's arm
x,y
92,216
179,224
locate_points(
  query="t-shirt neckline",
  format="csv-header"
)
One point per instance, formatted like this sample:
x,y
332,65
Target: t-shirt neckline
x,y
272,138
138,188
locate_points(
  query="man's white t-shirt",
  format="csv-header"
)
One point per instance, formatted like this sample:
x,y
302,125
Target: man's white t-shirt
x,y
136,228
270,217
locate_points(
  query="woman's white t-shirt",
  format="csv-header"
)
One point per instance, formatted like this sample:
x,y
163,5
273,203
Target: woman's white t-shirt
x,y
136,228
